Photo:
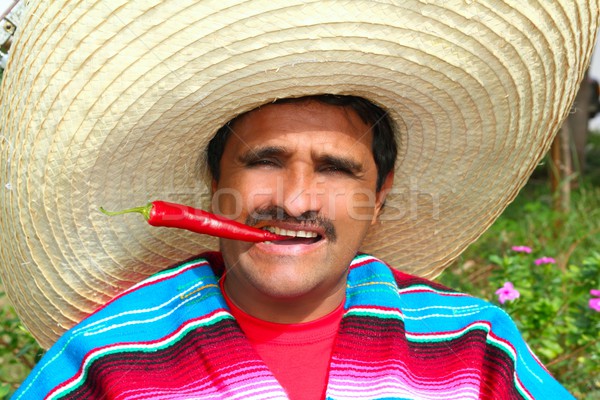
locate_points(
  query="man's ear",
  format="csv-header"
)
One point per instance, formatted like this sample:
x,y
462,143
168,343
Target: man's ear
x,y
381,196
213,190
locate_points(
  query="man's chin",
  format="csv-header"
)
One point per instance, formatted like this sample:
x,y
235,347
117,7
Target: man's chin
x,y
291,248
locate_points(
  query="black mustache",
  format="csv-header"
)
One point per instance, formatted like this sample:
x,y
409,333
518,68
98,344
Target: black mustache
x,y
308,219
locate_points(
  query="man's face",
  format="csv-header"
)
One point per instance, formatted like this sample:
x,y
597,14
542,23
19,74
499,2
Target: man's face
x,y
303,169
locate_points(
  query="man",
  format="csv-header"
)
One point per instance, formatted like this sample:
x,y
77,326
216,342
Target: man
x,y
315,165
311,316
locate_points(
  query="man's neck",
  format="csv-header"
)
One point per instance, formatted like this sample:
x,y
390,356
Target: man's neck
x,y
285,310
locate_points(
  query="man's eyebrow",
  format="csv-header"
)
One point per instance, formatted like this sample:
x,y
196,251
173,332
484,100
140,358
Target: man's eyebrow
x,y
341,162
258,153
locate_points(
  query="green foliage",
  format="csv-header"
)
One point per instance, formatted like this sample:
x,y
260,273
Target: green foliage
x,y
552,311
593,158
18,350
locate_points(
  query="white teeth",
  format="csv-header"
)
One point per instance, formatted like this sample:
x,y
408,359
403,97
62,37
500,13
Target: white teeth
x,y
289,232
304,234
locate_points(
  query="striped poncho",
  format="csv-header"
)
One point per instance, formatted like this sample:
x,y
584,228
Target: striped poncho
x,y
401,337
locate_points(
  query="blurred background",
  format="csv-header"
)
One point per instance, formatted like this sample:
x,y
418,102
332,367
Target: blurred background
x,y
594,74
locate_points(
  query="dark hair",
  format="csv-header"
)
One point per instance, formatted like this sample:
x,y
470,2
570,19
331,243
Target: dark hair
x,y
384,145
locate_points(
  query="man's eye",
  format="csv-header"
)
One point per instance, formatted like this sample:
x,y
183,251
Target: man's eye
x,y
335,169
263,162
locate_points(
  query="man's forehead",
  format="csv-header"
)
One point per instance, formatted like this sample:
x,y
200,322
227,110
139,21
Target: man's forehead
x,y
302,113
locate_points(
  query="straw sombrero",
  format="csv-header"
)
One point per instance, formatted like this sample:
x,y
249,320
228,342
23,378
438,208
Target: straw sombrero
x,y
111,103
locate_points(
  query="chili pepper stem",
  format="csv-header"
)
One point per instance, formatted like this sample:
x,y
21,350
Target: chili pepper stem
x,y
144,210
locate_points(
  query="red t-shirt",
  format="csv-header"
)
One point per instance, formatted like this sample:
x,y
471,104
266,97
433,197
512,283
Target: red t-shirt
x,y
297,354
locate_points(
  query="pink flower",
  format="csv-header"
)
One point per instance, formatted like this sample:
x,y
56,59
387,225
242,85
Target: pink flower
x,y
507,293
521,249
545,260
595,303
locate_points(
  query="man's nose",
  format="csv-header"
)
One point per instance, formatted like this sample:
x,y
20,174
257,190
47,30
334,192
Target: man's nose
x,y
302,190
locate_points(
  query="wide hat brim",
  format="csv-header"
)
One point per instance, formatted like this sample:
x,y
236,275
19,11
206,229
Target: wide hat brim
x,y
111,103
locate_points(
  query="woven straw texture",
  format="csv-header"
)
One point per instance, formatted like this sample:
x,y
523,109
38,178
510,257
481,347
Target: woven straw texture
x,y
111,103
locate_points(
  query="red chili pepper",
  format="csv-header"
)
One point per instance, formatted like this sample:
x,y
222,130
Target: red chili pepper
x,y
172,215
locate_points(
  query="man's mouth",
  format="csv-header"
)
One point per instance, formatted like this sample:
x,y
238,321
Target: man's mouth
x,y
306,229
295,236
